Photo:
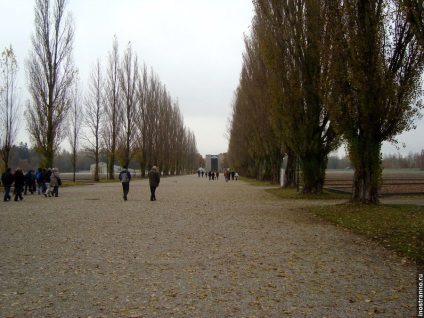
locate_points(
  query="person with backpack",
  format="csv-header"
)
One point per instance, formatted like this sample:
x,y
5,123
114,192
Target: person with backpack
x,y
125,177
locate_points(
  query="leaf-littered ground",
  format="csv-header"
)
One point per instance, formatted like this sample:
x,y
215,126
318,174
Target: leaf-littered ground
x,y
203,249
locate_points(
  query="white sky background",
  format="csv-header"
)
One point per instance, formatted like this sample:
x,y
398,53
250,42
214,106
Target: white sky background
x,y
194,46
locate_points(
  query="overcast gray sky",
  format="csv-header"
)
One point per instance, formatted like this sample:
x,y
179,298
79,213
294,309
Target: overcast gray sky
x,y
195,46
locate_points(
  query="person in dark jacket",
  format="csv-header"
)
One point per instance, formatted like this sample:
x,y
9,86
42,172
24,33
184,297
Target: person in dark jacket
x,y
125,177
7,180
29,182
46,177
154,180
19,179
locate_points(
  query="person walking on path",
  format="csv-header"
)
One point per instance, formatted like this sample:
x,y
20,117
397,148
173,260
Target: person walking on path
x,y
125,177
47,177
154,180
7,180
39,180
19,179
227,175
29,182
54,183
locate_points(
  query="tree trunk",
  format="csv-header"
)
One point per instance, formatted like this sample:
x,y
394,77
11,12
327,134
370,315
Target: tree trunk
x,y
313,169
96,160
112,167
366,160
290,172
96,170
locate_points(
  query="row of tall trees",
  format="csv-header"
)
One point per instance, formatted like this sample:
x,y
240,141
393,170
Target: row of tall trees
x,y
131,115
319,72
397,161
126,112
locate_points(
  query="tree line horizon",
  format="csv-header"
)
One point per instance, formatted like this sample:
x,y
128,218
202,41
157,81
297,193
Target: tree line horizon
x,y
125,112
27,158
317,73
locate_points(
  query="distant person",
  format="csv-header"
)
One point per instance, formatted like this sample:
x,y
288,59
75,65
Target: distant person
x,y
44,178
198,173
236,176
125,177
39,179
203,173
154,180
227,175
29,182
19,179
7,181
233,174
217,175
47,176
54,182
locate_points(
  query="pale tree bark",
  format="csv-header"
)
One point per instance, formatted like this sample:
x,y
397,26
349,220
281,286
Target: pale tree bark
x,y
94,115
50,73
75,124
113,107
9,104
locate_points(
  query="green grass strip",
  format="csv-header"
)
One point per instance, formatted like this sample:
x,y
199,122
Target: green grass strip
x,y
397,227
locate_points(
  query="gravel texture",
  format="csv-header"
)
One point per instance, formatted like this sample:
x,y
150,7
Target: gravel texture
x,y
203,249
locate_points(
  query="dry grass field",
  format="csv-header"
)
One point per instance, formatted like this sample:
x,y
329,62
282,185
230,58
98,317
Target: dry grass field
x,y
395,182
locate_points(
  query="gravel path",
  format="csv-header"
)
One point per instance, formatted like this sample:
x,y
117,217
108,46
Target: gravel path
x,y
203,249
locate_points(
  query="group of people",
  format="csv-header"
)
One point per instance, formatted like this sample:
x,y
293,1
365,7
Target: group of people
x,y
44,181
230,175
212,175
154,180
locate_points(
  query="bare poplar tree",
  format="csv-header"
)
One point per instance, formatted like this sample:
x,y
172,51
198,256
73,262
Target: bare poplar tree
x,y
128,79
141,118
50,72
9,104
93,115
75,124
112,107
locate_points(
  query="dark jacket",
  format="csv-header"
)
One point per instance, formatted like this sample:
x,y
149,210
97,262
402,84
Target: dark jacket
x,y
7,178
47,175
30,177
154,178
19,178
125,176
